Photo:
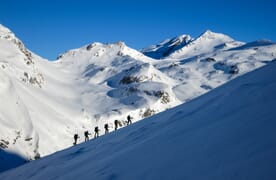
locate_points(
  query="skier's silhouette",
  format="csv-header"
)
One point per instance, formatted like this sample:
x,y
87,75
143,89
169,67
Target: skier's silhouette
x,y
106,128
116,123
129,118
86,136
96,130
76,136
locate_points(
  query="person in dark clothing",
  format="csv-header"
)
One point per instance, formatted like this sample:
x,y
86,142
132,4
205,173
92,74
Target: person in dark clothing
x,y
76,136
86,136
116,123
129,118
96,130
106,128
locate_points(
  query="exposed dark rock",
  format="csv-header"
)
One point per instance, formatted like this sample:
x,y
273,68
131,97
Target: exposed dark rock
x,y
4,144
148,112
209,59
129,80
28,139
230,69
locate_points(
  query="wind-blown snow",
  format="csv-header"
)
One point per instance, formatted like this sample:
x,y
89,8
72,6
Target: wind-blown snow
x,y
46,103
228,133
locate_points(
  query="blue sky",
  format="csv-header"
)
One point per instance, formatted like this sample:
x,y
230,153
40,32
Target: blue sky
x,y
50,27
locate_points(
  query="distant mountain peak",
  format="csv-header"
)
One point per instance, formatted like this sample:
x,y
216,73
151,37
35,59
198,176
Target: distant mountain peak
x,y
207,42
208,31
180,40
167,46
208,34
99,50
177,46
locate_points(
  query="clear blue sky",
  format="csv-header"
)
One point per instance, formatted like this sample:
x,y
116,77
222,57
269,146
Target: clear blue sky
x,y
50,27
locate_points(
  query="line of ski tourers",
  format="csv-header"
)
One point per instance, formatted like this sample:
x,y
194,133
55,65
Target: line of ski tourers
x,y
117,123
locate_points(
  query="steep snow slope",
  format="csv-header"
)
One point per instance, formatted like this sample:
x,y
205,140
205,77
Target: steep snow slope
x,y
10,160
16,125
228,133
46,103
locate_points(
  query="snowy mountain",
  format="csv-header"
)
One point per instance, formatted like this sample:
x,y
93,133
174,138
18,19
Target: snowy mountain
x,y
228,133
185,47
166,47
46,103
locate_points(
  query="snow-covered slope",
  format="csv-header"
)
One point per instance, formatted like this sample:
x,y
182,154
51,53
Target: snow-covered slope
x,y
185,46
228,133
205,43
10,160
17,67
46,103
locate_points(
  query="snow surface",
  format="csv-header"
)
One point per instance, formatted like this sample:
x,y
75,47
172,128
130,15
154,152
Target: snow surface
x,y
10,160
43,104
228,133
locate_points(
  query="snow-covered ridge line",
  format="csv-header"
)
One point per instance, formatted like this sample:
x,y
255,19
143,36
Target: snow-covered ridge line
x,y
7,34
171,48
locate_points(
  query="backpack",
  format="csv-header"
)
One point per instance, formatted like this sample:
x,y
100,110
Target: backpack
x,y
129,118
86,133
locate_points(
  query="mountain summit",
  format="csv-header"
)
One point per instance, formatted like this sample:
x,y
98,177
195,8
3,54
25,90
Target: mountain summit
x,y
166,47
184,46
